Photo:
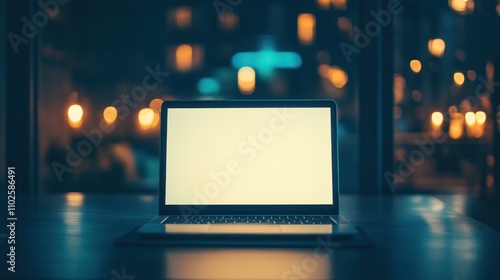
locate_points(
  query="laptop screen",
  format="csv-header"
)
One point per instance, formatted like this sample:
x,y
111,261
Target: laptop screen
x,y
249,156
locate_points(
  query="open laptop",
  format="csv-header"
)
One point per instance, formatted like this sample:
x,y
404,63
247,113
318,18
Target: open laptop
x,y
249,168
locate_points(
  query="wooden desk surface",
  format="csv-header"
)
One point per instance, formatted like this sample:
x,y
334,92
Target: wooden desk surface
x,y
70,236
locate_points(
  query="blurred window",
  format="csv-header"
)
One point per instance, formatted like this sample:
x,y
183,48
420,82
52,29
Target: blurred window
x,y
106,66
443,81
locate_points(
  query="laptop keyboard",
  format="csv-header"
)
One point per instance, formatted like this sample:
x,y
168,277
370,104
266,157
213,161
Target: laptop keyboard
x,y
278,220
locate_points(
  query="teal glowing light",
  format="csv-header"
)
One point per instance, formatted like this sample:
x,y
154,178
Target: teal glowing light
x,y
208,86
265,61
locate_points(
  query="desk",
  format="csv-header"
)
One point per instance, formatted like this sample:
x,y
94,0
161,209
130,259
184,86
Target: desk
x,y
70,236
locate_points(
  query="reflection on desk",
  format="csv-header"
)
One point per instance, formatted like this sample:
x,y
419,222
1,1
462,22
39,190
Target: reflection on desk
x,y
245,264
71,236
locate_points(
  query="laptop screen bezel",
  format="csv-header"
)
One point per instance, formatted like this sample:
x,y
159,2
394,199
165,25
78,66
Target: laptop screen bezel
x,y
315,209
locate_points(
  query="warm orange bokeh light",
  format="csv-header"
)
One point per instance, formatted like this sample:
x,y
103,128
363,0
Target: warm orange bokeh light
x,y
183,17
339,4
398,88
338,77
74,199
458,6
462,6
490,70
480,117
436,47
184,58
229,21
344,24
437,118
323,4
470,118
306,24
155,104
416,65
146,117
472,75
324,70
75,115
456,129
459,78
110,114
246,80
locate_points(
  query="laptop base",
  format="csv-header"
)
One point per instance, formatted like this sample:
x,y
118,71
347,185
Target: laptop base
x,y
340,229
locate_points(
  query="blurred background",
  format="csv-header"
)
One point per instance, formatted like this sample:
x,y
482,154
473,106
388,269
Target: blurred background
x,y
99,111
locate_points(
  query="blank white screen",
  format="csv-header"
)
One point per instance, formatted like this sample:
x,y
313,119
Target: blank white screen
x,y
261,156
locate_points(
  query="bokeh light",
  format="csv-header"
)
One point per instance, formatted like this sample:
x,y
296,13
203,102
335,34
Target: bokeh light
x,y
74,199
344,24
229,21
338,77
458,6
437,118
110,114
456,129
75,115
480,117
398,88
416,95
436,47
155,104
306,28
398,112
246,80
470,118
183,17
459,78
184,58
146,118
323,4
339,4
415,65
472,75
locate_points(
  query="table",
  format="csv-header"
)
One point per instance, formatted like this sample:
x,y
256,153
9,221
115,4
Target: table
x,y
70,236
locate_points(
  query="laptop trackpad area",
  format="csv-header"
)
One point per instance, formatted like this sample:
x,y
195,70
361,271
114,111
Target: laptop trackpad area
x,y
245,229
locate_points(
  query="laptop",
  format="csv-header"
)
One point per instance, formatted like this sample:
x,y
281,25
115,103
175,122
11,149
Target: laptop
x,y
249,168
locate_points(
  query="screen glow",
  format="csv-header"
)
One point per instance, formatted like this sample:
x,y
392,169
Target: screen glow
x,y
261,156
